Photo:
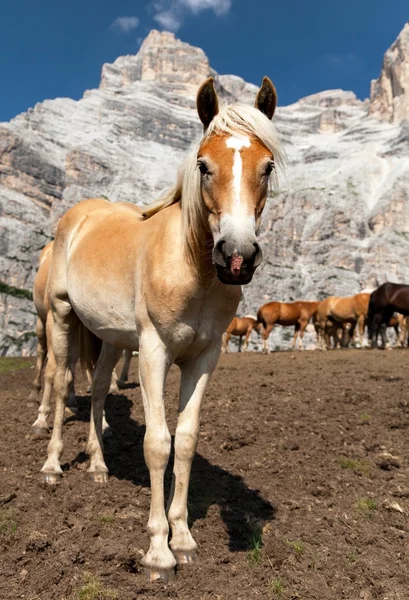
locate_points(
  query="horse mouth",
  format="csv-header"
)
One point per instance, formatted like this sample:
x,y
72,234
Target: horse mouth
x,y
229,277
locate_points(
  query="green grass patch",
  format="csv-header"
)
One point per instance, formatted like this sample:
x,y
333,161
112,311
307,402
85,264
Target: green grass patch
x,y
297,546
7,523
352,556
365,417
276,587
10,364
367,506
254,554
94,589
353,464
106,520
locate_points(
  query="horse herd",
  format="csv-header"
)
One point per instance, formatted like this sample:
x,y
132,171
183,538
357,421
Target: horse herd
x,y
335,319
165,280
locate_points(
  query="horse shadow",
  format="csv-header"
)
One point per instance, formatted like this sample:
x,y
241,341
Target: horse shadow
x,y
243,510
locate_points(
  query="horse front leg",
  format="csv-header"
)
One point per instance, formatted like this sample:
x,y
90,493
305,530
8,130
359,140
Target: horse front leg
x,y
296,332
195,375
154,365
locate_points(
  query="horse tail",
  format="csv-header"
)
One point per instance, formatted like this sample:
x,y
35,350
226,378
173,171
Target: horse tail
x,y
89,346
260,318
370,316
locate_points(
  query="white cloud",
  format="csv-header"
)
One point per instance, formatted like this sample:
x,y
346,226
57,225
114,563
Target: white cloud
x,y
168,19
125,24
170,14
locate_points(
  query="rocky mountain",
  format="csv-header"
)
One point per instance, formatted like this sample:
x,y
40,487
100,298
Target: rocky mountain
x,y
339,223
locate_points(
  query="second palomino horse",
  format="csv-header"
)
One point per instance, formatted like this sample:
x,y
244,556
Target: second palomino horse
x,y
288,314
45,356
242,327
348,309
167,285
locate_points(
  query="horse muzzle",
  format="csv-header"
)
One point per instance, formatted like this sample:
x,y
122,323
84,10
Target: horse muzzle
x,y
236,265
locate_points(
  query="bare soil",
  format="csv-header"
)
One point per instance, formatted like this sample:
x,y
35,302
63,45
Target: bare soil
x,y
299,490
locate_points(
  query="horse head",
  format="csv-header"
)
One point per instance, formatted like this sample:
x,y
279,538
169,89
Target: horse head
x,y
236,161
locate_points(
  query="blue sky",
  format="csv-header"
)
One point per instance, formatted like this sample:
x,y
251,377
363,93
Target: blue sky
x,y
53,48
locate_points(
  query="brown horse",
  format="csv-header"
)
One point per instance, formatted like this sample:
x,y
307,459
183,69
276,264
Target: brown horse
x,y
167,285
242,327
287,314
385,300
348,309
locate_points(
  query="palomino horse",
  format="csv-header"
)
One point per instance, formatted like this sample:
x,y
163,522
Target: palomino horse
x,y
288,314
385,300
242,327
348,309
168,285
44,350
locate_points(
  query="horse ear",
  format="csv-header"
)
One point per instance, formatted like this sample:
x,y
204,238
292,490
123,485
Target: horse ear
x,y
266,98
207,103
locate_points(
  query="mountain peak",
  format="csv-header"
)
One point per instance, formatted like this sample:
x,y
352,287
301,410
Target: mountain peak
x,y
162,58
390,92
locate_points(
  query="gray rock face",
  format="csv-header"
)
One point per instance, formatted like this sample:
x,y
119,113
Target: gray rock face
x,y
340,222
390,92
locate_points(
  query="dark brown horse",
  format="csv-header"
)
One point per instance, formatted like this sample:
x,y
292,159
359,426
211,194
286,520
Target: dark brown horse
x,y
384,301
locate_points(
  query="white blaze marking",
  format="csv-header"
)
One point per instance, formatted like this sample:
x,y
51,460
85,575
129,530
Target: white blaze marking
x,y
237,144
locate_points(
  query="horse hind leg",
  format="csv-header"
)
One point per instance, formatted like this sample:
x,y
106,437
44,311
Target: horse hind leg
x,y
246,339
303,326
296,332
41,356
266,332
63,345
40,426
123,378
101,381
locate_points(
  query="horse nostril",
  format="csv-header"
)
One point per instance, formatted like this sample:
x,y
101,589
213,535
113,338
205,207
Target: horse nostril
x,y
258,255
219,246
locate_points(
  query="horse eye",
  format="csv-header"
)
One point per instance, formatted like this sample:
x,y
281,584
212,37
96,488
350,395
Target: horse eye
x,y
269,168
203,168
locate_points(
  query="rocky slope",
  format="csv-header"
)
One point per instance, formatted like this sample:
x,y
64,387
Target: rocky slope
x,y
339,223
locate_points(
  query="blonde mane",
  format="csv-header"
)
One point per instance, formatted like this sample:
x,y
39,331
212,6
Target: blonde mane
x,y
238,120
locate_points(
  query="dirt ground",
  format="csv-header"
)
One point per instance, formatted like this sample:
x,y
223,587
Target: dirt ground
x,y
299,490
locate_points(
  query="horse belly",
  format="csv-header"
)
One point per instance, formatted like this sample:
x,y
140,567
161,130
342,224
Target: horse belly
x,y
105,312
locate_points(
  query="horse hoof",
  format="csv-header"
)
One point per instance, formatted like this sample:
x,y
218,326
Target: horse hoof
x,y
185,557
39,432
107,433
98,476
70,411
121,384
114,389
50,478
159,575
